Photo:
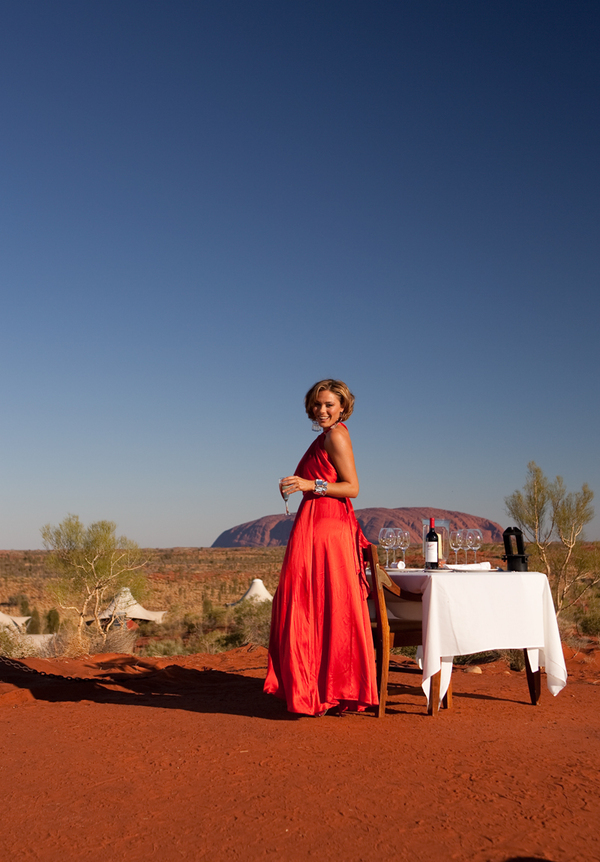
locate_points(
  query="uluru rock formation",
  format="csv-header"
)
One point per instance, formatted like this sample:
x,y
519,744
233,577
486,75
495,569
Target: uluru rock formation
x,y
274,530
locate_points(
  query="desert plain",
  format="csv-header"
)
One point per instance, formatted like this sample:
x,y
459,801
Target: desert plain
x,y
184,758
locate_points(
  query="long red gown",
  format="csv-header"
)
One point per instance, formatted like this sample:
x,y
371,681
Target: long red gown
x,y
321,647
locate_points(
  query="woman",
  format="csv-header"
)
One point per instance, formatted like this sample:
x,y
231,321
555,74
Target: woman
x,y
321,648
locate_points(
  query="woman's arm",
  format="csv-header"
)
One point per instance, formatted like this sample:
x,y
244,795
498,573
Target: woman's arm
x,y
339,448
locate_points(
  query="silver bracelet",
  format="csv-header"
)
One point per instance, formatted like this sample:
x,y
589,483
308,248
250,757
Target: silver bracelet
x,y
320,487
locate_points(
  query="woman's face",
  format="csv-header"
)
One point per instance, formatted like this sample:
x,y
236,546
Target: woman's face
x,y
327,409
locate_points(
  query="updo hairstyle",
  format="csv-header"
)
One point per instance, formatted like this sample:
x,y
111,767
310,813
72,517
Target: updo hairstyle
x,y
339,388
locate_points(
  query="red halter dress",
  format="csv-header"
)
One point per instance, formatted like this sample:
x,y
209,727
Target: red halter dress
x,y
321,647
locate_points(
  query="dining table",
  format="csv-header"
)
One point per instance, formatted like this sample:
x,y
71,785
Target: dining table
x,y
474,609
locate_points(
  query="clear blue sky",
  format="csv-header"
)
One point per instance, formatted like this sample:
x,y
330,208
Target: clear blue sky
x,y
207,206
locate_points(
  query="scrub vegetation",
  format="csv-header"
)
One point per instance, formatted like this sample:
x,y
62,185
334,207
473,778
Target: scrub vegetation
x,y
197,588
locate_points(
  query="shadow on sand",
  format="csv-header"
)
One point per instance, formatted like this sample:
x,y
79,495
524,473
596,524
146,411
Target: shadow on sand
x,y
128,681
171,687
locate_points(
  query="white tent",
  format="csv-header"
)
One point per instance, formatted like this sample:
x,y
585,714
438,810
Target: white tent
x,y
39,642
256,592
124,605
20,621
13,624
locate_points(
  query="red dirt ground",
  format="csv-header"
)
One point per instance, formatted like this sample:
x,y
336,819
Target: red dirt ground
x,y
184,758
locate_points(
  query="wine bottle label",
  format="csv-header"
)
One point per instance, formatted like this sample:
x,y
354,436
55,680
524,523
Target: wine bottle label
x,y
431,552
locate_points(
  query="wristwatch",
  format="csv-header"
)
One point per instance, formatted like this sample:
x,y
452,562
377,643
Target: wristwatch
x,y
320,487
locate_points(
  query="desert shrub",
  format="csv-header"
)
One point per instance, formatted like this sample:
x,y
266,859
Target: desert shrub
x,y
162,648
477,658
192,624
589,624
514,658
8,644
408,651
205,642
12,645
251,624
73,643
213,616
148,628
121,640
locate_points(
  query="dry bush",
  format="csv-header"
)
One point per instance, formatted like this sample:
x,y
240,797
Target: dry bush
x,y
251,624
14,645
514,658
589,624
70,643
477,658
169,646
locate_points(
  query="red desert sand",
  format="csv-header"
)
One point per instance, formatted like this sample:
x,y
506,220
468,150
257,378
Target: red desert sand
x,y
184,758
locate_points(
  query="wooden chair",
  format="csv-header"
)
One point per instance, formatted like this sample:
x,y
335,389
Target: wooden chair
x,y
394,632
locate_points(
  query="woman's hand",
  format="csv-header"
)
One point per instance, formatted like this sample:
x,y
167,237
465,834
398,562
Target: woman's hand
x,y
291,484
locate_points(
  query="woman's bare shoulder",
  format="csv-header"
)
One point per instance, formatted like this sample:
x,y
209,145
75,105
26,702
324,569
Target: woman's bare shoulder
x,y
338,438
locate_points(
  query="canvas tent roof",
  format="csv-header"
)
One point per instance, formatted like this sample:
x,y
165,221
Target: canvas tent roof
x,y
20,621
124,605
12,623
256,592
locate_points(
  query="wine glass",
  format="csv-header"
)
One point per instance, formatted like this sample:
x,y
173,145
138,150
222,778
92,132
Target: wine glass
x,y
393,545
403,540
469,540
456,543
382,537
391,542
284,495
477,541
386,540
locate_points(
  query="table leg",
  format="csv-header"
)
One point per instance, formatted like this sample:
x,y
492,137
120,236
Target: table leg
x,y
433,706
447,698
440,681
534,680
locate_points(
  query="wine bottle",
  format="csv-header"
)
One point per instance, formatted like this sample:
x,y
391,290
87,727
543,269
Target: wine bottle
x,y
431,546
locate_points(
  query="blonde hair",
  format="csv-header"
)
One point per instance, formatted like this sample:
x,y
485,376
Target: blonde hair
x,y
339,388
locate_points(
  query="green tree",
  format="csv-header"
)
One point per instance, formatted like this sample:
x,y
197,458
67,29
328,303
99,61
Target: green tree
x,y
553,521
52,620
93,564
34,627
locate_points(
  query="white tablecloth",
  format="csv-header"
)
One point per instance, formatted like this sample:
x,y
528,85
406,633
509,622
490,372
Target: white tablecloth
x,y
475,611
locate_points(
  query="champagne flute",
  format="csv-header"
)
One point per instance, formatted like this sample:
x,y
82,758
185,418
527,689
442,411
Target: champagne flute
x,y
284,494
456,543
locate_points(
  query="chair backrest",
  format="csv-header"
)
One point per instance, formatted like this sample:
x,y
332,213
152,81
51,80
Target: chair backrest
x,y
377,597
389,601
